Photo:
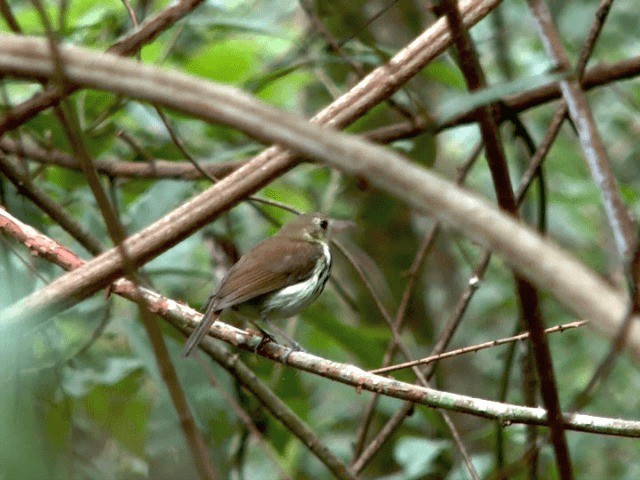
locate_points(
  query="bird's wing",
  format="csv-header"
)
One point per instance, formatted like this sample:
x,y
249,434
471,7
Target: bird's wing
x,y
251,276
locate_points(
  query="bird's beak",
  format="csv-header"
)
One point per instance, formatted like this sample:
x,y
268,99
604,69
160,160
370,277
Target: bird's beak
x,y
338,226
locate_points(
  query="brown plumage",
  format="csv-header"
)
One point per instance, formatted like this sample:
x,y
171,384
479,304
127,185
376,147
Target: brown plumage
x,y
277,278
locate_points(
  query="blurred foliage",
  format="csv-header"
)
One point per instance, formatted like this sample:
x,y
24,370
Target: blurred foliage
x,y
73,407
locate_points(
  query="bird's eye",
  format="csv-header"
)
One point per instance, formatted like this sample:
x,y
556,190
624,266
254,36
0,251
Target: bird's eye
x,y
324,224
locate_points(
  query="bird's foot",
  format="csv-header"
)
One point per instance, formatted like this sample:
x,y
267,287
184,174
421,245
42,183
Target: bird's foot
x,y
266,338
287,354
296,347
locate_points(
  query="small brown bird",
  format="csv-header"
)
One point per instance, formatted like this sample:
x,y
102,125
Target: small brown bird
x,y
277,278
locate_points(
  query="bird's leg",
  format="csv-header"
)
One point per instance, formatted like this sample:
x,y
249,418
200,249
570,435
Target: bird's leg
x,y
296,346
293,345
266,336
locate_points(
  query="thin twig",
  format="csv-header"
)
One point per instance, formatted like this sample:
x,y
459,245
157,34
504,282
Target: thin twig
x,y
475,348
114,168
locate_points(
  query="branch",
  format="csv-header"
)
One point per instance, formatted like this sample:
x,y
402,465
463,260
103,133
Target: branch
x,y
474,348
538,259
112,167
57,212
128,45
597,76
527,294
590,140
186,318
180,315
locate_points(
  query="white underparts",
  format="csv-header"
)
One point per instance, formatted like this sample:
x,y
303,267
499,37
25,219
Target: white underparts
x,y
291,300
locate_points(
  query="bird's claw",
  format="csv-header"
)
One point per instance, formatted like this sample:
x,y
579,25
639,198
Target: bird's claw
x,y
295,347
266,338
285,357
298,348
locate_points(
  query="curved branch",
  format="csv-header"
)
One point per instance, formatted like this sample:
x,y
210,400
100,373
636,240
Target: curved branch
x,y
540,260
380,84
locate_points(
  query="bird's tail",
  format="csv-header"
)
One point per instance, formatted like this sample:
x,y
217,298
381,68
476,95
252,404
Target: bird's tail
x,y
209,317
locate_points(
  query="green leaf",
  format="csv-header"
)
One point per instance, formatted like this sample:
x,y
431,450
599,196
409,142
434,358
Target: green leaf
x,y
416,455
77,382
229,61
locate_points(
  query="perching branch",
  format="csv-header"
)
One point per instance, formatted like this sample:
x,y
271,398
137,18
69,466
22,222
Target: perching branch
x,y
186,318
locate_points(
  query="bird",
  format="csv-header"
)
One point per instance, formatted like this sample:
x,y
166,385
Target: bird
x,y
277,278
